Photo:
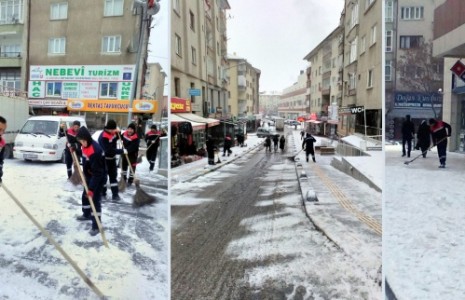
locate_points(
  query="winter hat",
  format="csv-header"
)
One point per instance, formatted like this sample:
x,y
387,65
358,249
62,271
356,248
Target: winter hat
x,y
133,126
84,134
77,123
111,124
432,121
153,127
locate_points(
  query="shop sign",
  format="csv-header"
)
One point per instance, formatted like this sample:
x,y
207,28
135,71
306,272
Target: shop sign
x,y
36,89
83,73
117,106
179,105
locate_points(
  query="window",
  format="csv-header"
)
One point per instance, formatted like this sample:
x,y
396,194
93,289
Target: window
x,y
412,41
57,45
10,50
373,35
11,11
194,56
108,89
192,20
59,11
388,71
412,13
352,81
388,40
113,8
354,15
177,87
389,11
53,89
111,44
353,51
370,78
369,2
362,44
176,5
178,45
217,48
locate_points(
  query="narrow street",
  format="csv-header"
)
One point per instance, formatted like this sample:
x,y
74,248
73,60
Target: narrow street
x,y
246,236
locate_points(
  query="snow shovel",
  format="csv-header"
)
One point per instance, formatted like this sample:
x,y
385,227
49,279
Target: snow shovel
x,y
412,160
141,197
55,244
86,188
292,158
75,179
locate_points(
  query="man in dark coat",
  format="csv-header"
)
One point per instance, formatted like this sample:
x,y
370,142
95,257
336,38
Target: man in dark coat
x,y
131,144
152,139
408,132
268,143
275,142
423,138
440,131
93,163
282,142
107,141
307,144
227,145
70,134
211,148
2,145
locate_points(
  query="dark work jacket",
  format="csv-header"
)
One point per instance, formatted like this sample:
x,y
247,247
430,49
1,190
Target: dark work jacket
x,y
70,137
93,163
107,142
2,151
440,131
408,130
131,143
308,143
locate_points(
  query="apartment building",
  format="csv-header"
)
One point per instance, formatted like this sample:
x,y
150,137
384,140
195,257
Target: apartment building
x,y
154,88
13,48
448,43
324,83
412,75
199,51
292,104
268,103
362,83
243,88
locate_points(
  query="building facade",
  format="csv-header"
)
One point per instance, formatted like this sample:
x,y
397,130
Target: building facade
x,y
292,104
269,102
412,75
448,43
198,58
243,88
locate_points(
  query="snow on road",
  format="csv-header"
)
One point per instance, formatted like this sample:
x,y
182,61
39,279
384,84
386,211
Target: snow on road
x,y
134,266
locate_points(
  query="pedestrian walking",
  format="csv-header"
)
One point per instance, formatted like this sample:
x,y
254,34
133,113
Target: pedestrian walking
x,y
440,131
308,146
72,143
423,138
3,126
211,148
282,142
227,145
275,142
302,135
152,139
268,143
408,132
131,143
94,170
240,139
107,140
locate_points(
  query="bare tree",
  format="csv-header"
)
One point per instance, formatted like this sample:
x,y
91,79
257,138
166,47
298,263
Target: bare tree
x,y
420,71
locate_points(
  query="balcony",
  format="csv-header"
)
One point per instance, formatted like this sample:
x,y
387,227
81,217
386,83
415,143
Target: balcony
x,y
326,91
10,60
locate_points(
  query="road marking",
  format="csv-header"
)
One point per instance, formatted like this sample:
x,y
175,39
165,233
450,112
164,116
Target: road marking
x,y
346,203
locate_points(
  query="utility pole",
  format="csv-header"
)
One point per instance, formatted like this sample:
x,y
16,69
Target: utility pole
x,y
149,8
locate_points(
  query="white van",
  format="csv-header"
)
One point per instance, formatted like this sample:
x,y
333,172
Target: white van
x,y
39,138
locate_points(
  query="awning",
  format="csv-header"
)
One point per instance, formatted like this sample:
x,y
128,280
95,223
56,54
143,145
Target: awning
x,y
333,122
174,118
315,121
195,118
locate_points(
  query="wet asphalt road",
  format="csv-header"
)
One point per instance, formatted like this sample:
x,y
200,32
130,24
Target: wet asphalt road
x,y
203,267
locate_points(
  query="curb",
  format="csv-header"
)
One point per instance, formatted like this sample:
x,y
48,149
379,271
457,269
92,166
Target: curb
x,y
204,172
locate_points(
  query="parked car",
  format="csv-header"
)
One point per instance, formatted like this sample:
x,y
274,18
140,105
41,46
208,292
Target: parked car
x,y
293,123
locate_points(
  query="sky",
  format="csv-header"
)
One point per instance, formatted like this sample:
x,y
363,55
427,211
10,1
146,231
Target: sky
x,y
274,36
159,39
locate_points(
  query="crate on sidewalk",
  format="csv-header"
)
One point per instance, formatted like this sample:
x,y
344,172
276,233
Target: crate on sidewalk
x,y
327,150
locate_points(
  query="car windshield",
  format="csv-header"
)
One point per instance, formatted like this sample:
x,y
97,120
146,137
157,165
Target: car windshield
x,y
45,127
